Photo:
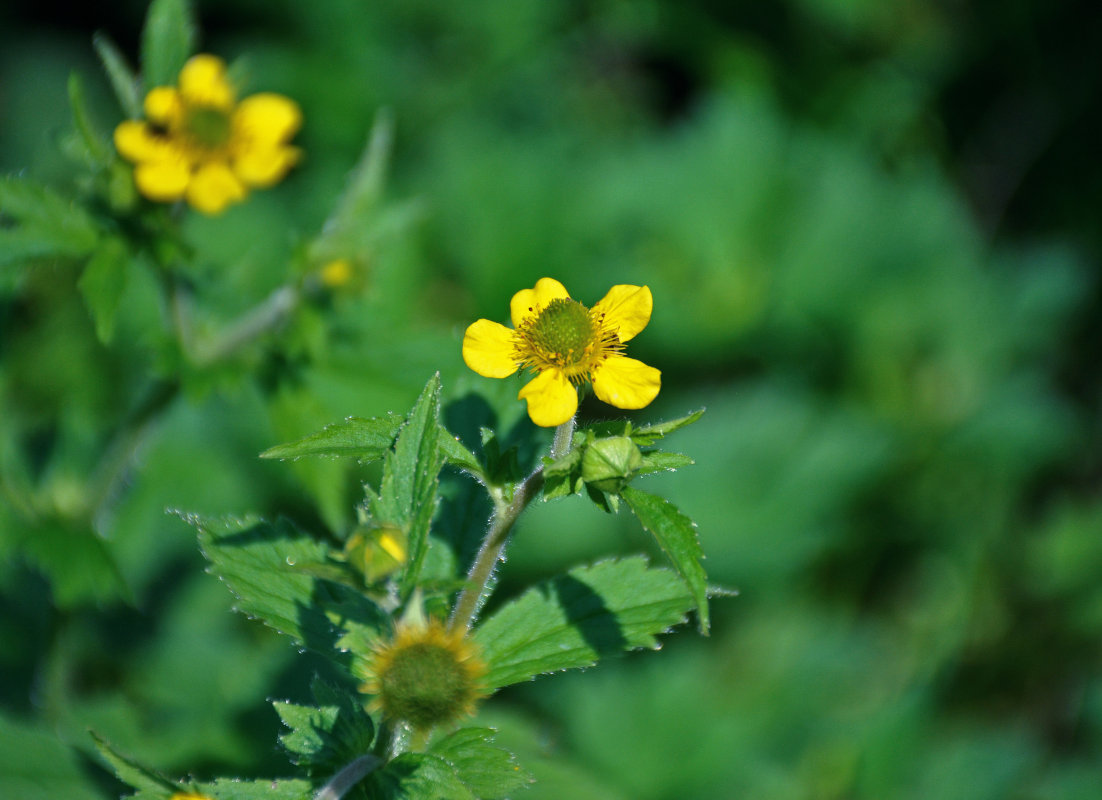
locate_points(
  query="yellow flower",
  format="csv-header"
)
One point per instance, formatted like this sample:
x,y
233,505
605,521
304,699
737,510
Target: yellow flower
x,y
198,143
567,344
189,796
337,273
426,675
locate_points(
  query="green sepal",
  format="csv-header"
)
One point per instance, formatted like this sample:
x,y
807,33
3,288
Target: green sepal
x,y
168,40
649,434
326,736
281,576
102,284
676,535
575,619
663,461
124,82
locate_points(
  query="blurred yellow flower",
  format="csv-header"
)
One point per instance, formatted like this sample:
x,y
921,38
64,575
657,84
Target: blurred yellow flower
x,y
198,143
189,796
337,273
567,344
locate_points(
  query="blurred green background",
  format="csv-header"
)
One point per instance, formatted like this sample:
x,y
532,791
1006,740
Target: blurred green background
x,y
872,233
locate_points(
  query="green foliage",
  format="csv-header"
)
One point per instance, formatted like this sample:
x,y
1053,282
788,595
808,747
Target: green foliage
x,y
896,346
328,735
168,40
574,620
286,579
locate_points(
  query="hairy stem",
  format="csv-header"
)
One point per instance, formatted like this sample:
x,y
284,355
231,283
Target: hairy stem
x,y
351,773
482,571
564,439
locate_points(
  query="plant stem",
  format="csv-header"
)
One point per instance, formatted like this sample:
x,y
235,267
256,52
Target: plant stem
x,y
351,773
564,439
482,571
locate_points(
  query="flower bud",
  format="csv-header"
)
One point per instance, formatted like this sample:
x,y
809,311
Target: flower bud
x,y
609,463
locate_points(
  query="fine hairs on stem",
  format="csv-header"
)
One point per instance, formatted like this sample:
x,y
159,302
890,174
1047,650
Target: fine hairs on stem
x,y
501,524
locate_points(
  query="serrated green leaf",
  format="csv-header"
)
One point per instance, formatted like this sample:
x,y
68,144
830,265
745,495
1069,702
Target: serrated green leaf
x,y
168,39
48,225
418,776
93,142
329,735
259,789
574,619
491,772
147,781
122,78
271,569
407,492
102,283
649,434
662,461
365,439
676,535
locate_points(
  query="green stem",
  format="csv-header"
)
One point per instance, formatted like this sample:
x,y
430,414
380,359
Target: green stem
x,y
350,774
476,591
564,439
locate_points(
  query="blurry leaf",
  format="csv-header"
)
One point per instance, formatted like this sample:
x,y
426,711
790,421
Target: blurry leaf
x,y
676,534
102,284
258,789
407,492
273,569
79,564
365,186
365,439
36,765
96,146
574,619
168,39
328,736
123,80
149,783
491,772
48,225
649,434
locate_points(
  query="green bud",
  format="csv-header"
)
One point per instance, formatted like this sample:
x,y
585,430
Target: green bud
x,y
608,464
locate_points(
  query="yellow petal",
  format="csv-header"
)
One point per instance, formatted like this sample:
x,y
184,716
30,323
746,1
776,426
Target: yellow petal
x,y
267,117
213,187
529,302
264,166
488,349
626,310
626,382
203,82
137,142
163,181
552,399
162,105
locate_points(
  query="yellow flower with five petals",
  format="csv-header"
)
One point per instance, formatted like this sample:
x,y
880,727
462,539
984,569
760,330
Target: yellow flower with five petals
x,y
198,143
567,344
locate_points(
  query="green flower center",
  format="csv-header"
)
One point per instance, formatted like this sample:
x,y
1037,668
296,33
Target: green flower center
x,y
566,336
562,331
425,684
209,127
